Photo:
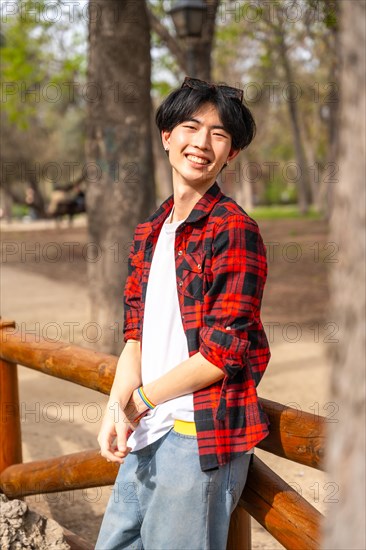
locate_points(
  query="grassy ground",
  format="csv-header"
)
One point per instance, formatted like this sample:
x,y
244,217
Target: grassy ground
x,y
282,212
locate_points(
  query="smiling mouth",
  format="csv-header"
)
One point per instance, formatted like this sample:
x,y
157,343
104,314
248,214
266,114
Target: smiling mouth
x,y
197,160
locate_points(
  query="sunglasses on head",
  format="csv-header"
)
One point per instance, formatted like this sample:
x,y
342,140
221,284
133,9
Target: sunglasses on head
x,y
228,91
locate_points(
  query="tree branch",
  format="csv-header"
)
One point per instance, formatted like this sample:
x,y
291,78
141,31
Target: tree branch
x,y
168,40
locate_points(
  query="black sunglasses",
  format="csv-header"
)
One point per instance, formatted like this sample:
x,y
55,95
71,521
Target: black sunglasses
x,y
197,84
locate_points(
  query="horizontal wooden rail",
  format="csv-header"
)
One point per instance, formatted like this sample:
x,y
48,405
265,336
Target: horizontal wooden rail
x,y
280,509
295,434
269,499
76,364
74,471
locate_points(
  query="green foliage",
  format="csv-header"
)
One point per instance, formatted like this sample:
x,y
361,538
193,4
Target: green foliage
x,y
249,50
265,59
282,212
161,88
43,122
329,10
32,63
19,210
35,55
278,192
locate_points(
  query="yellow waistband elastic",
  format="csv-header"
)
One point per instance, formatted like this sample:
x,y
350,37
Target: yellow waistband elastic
x,y
186,428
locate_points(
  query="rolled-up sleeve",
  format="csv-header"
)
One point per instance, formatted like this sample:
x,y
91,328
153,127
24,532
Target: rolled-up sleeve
x,y
132,295
233,300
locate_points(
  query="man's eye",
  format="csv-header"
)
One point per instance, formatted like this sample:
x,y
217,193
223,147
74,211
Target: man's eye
x,y
190,127
220,135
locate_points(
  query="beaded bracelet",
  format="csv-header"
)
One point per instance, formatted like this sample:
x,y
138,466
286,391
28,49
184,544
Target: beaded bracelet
x,y
147,401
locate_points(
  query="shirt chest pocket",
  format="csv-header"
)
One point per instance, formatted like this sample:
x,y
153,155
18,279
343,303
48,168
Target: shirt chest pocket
x,y
190,282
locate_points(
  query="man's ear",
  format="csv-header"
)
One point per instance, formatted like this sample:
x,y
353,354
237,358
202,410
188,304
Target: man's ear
x,y
165,138
232,154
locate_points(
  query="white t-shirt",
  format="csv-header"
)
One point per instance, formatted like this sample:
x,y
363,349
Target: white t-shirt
x,y
164,343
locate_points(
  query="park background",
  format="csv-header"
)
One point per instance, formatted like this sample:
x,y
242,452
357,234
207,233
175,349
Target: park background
x,y
80,84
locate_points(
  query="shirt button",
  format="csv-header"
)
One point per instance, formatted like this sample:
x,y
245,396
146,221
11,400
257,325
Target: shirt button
x,y
180,283
228,328
199,266
180,252
182,317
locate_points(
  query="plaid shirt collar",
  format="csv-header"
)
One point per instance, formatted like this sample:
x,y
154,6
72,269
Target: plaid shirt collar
x,y
201,209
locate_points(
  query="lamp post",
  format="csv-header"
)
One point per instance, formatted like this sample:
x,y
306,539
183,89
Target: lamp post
x,y
188,17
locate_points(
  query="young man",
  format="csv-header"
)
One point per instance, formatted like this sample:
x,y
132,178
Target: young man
x,y
183,408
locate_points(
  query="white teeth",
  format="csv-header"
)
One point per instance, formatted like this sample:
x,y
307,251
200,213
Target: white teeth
x,y
197,159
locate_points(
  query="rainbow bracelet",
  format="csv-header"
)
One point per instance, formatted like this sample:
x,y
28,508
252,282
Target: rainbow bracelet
x,y
147,401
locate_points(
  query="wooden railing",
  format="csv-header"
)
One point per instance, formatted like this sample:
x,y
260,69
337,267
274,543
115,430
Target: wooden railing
x,y
294,435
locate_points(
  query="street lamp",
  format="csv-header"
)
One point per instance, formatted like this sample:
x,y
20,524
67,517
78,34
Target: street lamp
x,y
188,17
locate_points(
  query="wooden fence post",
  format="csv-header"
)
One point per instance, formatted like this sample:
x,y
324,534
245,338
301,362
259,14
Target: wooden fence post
x,y
240,536
10,433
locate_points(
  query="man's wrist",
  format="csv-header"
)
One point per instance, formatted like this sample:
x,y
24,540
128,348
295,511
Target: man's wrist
x,y
144,398
121,397
136,408
152,392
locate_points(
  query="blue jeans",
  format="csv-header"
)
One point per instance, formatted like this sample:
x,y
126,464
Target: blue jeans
x,y
162,500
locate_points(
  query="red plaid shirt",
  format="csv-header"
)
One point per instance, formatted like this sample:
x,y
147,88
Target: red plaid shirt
x,y
221,271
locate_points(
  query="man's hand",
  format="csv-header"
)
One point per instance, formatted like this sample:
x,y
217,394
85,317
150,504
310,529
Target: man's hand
x,y
116,427
115,430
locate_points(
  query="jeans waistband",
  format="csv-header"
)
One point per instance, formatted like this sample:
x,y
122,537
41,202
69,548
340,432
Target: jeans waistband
x,y
184,427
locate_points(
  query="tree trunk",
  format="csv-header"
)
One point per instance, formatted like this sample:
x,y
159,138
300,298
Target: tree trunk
x,y
120,191
303,183
202,60
328,182
163,170
246,186
38,200
7,205
237,181
344,527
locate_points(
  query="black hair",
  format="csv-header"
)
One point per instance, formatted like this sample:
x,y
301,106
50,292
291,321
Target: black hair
x,y
181,104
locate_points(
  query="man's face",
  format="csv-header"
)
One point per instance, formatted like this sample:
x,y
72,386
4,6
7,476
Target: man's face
x,y
198,148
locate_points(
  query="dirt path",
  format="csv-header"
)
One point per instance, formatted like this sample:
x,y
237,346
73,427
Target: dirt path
x,y
59,417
